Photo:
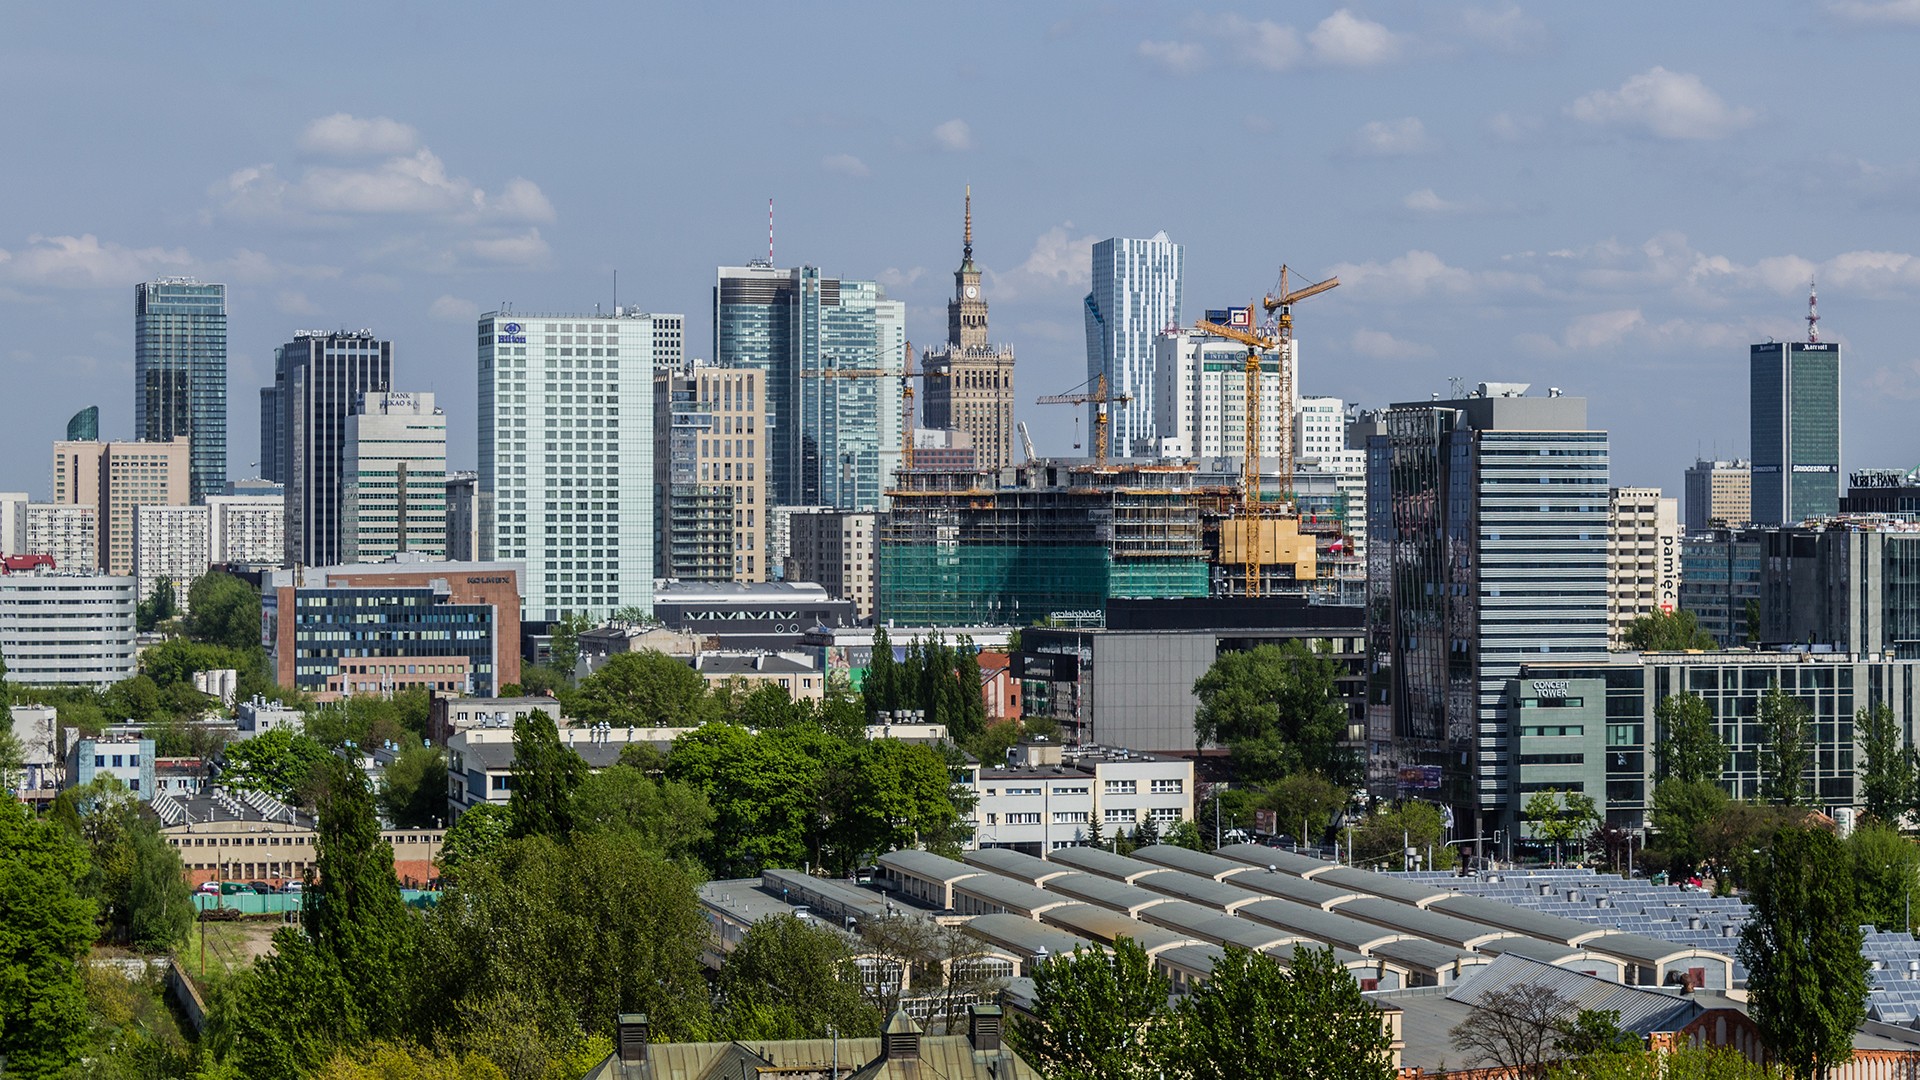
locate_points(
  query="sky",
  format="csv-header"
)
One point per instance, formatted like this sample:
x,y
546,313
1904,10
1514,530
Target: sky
x,y
1614,199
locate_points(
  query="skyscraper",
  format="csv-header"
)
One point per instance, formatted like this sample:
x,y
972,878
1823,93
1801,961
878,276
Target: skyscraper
x,y
394,479
1719,495
710,474
1200,398
118,478
319,379
833,441
1643,558
970,383
180,374
84,425
1136,295
1795,422
566,454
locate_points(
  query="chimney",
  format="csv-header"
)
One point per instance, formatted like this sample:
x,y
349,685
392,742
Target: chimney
x,y
633,1036
983,1028
901,1040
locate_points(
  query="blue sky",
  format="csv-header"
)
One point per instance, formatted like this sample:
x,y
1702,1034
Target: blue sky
x,y
1610,198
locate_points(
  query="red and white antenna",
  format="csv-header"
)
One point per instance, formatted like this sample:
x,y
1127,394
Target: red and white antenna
x,y
769,232
1813,314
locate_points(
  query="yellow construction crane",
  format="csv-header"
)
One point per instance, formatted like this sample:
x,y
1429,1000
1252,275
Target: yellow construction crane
x,y
1282,303
1099,397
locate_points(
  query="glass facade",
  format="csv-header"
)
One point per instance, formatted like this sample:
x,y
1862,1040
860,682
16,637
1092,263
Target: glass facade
x,y
333,627
84,425
319,380
180,374
1135,296
1719,578
1795,418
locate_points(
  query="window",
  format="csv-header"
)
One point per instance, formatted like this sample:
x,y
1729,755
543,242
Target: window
x,y
1069,817
118,759
1169,787
1023,819
1122,817
1122,787
1165,813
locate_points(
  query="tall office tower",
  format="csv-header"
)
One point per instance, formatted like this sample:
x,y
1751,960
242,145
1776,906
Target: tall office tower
x,y
393,487
170,542
566,454
1795,422
247,530
319,378
1136,296
272,469
84,426
831,440
180,374
1497,509
1719,495
463,516
1643,558
118,478
969,385
1200,399
710,474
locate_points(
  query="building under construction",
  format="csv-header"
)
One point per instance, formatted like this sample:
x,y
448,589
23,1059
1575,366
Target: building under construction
x,y
1037,541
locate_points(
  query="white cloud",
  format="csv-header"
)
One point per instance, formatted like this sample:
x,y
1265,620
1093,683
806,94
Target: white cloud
x,y
1423,273
1507,29
293,302
1058,262
895,278
845,165
86,262
411,183
1343,39
1425,201
454,309
1393,138
1602,328
1260,42
1666,104
1174,57
342,135
1507,127
954,135
1877,11
523,249
1384,346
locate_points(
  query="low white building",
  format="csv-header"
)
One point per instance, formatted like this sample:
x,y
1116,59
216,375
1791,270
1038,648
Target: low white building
x,y
36,728
1047,796
59,628
259,716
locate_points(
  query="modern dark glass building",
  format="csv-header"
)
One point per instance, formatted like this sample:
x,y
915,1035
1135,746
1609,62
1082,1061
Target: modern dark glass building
x,y
319,378
180,374
1487,528
84,426
1795,431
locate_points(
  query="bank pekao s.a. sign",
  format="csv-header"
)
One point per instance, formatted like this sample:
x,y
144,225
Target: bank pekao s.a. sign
x,y
510,333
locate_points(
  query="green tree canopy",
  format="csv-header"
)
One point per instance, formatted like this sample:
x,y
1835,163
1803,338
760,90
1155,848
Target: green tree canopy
x,y
1097,1015
1668,631
474,838
545,774
789,978
354,915
667,816
1278,709
279,763
1380,838
158,607
223,610
1690,749
1785,723
1313,1023
1887,768
45,928
134,878
644,689
1681,813
1801,944
1560,818
1886,866
1305,800
413,788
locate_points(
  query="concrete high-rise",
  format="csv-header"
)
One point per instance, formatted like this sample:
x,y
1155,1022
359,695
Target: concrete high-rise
x,y
1135,296
319,379
1496,510
969,385
832,440
835,549
393,493
249,530
710,474
463,516
1643,558
180,374
1719,495
1200,399
118,478
171,543
1795,422
566,454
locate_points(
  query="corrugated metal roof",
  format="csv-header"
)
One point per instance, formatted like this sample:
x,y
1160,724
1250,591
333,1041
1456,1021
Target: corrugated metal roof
x,y
1193,862
1024,936
1288,887
1103,862
1348,933
1105,926
1016,896
1642,1009
1106,892
1288,862
1432,925
1218,894
925,864
1014,864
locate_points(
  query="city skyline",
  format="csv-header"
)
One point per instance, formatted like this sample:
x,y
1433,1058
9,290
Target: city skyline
x,y
1512,192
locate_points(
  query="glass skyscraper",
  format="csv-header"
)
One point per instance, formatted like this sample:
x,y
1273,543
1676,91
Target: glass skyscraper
x,y
319,380
180,374
84,426
1136,295
832,441
1795,422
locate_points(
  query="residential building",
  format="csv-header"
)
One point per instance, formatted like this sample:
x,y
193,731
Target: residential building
x,y
969,384
231,835
393,488
320,377
118,478
1135,296
84,426
1045,797
1498,506
765,615
1200,399
36,728
333,631
832,439
835,548
68,534
67,628
180,375
171,543
743,673
1795,422
13,522
1643,558
1719,495
1720,583
566,454
246,530
126,759
710,474
780,535
1320,427
463,516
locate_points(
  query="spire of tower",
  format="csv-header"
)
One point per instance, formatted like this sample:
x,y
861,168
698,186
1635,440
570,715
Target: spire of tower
x,y
967,252
1813,314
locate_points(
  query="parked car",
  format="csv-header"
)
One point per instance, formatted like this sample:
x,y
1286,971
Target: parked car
x,y
211,887
261,887
234,888
293,888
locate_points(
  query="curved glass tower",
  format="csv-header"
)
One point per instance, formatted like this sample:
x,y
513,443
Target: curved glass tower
x,y
85,425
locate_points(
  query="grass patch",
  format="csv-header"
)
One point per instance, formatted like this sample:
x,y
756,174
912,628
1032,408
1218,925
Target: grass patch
x,y
229,946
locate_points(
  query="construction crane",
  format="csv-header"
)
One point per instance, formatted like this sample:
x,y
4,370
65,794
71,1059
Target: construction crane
x,y
1026,440
1282,304
1099,397
906,392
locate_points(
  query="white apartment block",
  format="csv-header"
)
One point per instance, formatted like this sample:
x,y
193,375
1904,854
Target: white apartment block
x,y
1643,557
566,454
1320,429
170,542
1047,796
12,522
834,549
246,529
67,628
1200,398
393,479
68,533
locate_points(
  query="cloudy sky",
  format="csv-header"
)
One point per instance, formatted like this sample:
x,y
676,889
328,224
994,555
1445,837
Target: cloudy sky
x,y
1610,198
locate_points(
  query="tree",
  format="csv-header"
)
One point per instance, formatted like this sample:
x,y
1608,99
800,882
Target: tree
x,y
45,928
1096,1015
1691,750
643,689
563,644
1595,1032
1184,834
900,794
944,963
881,686
1887,768
1381,839
1681,813
354,914
135,878
1278,709
413,788
1668,631
791,979
1885,867
1686,1062
157,608
1305,801
1312,1022
1806,976
667,816
1784,722
1559,818
277,763
386,1060
475,837
1753,622
13,762
159,902
223,610
545,774
1515,1027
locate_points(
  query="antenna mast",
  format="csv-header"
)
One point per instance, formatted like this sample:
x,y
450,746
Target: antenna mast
x,y
1813,314
769,232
